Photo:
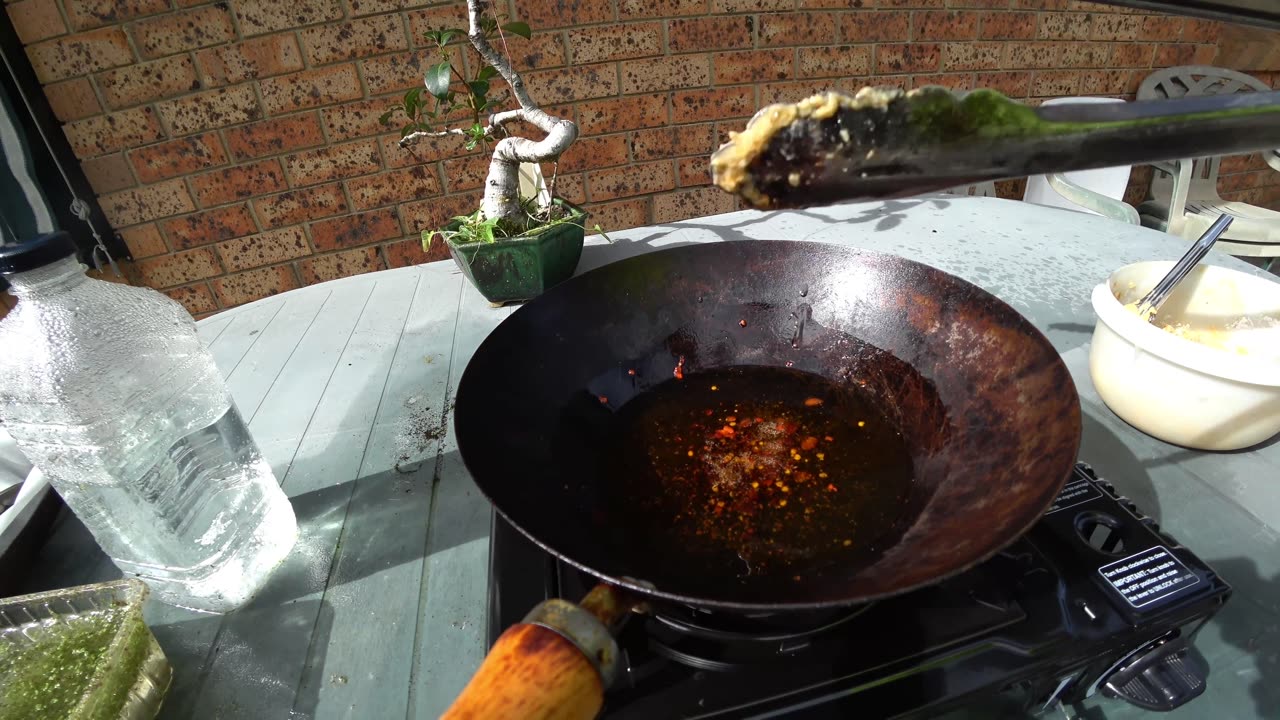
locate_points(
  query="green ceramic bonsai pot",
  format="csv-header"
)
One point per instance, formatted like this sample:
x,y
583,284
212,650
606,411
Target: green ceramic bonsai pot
x,y
521,268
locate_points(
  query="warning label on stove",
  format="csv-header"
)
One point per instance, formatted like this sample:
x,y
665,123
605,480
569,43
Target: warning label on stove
x,y
1150,576
1077,491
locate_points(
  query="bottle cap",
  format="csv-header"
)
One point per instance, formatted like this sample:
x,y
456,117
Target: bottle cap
x,y
37,252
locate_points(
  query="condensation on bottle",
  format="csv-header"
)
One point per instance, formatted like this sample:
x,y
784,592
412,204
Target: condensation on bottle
x,y
109,390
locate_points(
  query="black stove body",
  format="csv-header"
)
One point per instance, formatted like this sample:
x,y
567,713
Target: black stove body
x,y
1094,599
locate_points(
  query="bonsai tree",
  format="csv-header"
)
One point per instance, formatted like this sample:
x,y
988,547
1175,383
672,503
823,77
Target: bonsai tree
x,y
448,93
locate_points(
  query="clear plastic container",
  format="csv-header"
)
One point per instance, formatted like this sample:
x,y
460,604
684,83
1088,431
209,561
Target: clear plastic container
x,y
108,390
81,653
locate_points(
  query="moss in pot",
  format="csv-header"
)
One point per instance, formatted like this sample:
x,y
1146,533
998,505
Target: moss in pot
x,y
511,248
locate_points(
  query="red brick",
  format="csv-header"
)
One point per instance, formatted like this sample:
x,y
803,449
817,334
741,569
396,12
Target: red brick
x,y
250,60
1104,82
945,25
409,252
628,9
908,57
753,66
360,118
595,152
1012,84
239,183
617,216
258,17
797,29
298,206
36,20
673,142
665,73
1007,26
834,61
268,248
253,285
357,38
635,179
581,82
1197,30
103,134
1172,55
790,92
951,81
1114,27
353,230
1063,26
1242,163
310,88
437,17
178,157
183,31
412,183
212,109
395,72
179,268
607,116
275,136
144,241
875,26
972,56
333,162
692,171
422,150
1206,55
339,265
978,3
559,13
709,33
700,202
108,173
713,104
369,7
79,54
615,42
208,226
435,213
543,50
86,14
1031,55
72,99
137,84
750,6
919,3
1132,55
570,186
1055,83
1084,55
1161,28
465,173
130,207
196,298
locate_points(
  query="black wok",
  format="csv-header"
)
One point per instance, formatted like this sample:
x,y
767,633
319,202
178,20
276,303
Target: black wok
x,y
987,410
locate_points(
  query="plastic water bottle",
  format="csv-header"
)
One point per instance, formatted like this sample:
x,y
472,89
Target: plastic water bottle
x,y
108,389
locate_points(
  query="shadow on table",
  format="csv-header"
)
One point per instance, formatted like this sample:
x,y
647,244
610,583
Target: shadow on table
x,y
1116,463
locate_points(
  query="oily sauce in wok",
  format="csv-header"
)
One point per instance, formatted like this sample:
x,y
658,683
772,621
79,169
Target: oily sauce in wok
x,y
751,476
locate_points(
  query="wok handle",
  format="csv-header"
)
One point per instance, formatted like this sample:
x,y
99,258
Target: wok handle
x,y
531,672
554,665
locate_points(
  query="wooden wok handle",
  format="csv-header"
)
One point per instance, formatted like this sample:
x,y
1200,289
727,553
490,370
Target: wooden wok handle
x,y
554,665
531,672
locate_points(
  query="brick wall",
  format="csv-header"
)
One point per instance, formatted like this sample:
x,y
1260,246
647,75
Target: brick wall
x,y
235,145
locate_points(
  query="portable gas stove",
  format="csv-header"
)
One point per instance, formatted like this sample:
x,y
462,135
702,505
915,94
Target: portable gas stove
x,y
1094,599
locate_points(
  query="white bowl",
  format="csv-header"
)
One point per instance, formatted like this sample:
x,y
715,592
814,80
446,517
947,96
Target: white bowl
x,y
1178,390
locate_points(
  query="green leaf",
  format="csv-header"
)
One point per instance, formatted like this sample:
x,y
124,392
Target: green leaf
x,y
479,88
413,101
471,143
436,79
487,72
432,35
385,118
486,231
518,28
404,131
427,236
446,36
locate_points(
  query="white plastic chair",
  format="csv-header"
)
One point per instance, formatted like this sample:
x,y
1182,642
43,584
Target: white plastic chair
x,y
1184,197
1100,191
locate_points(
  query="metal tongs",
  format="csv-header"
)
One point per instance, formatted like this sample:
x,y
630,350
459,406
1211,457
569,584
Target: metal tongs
x,y
886,143
1150,303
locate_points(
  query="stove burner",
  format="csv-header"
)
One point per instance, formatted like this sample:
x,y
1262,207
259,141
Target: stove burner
x,y
1066,612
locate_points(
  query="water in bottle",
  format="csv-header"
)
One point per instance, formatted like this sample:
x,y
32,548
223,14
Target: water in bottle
x,y
108,389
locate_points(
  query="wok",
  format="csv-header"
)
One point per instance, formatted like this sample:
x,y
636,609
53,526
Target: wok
x,y
985,408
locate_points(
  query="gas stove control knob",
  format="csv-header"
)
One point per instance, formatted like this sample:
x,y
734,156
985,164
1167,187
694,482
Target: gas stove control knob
x,y
1162,677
